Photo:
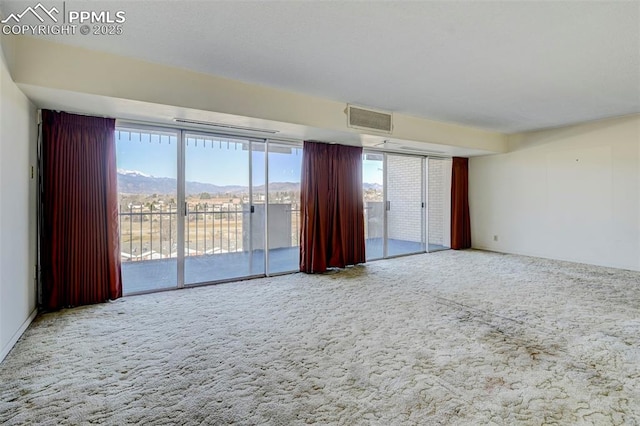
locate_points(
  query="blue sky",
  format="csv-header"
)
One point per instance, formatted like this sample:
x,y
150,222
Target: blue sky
x,y
156,158
226,163
372,172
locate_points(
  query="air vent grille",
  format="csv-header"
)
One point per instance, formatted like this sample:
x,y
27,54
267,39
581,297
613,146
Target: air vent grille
x,y
367,119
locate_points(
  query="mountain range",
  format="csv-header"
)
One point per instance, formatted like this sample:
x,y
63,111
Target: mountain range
x,y
134,182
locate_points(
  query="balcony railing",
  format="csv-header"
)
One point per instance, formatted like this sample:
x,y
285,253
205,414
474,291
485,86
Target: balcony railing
x,y
149,232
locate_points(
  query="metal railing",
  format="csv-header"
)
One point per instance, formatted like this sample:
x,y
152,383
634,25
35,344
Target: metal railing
x,y
215,225
149,231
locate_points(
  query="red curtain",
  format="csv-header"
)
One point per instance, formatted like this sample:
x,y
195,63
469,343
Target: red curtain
x,y
460,220
80,249
331,207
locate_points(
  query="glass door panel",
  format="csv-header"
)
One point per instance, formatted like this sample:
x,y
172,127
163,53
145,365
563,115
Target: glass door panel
x,y
439,203
373,191
148,212
254,217
219,210
405,212
285,165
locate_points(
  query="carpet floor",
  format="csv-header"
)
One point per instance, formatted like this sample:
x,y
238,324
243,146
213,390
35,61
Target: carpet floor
x,y
451,337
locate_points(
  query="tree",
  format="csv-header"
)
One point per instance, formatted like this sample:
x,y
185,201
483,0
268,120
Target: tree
x,y
205,196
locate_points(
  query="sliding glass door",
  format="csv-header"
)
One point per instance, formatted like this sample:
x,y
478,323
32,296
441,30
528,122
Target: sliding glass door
x,y
198,208
374,205
148,209
439,204
223,238
405,205
407,201
284,164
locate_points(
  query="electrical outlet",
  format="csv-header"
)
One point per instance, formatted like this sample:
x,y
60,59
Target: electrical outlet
x,y
495,238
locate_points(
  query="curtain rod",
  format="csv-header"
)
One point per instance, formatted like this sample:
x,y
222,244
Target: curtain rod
x,y
408,153
194,128
86,114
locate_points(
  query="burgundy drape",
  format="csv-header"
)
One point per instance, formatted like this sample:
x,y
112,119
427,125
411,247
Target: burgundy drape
x,y
332,207
80,250
460,220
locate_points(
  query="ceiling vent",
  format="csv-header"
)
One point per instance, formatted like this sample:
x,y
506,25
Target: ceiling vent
x,y
368,119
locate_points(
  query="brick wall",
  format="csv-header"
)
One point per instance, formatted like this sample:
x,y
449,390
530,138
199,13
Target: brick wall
x,y
439,200
404,191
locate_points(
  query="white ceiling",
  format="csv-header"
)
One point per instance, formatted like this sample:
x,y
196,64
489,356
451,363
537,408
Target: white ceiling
x,y
507,66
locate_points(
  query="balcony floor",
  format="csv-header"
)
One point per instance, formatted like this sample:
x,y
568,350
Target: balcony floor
x,y
161,274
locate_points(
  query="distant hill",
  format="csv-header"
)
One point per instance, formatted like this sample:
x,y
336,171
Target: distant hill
x,y
134,182
375,186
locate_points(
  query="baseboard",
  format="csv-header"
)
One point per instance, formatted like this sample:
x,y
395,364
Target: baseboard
x,y
624,267
17,335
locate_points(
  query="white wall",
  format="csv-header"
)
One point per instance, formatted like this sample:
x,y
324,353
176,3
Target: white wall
x,y
571,193
17,211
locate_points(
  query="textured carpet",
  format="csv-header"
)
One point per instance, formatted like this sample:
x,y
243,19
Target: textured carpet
x,y
445,338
